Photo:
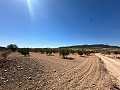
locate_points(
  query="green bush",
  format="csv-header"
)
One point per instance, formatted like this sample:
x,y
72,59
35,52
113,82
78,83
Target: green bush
x,y
64,53
55,50
79,52
72,51
116,52
48,51
24,51
12,47
87,53
42,51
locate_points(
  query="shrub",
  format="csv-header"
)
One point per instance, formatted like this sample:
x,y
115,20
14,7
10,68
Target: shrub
x,y
12,47
42,51
64,53
24,51
116,52
86,53
5,54
48,51
55,50
79,52
72,51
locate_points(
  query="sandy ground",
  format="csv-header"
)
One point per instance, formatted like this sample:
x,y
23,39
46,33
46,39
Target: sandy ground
x,y
42,72
113,65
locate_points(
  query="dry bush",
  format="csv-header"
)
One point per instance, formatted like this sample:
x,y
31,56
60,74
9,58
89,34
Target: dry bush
x,y
5,54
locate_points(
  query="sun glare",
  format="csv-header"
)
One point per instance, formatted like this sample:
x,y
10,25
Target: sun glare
x,y
31,8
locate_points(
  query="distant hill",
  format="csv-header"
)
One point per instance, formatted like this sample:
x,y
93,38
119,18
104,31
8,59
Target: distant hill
x,y
91,46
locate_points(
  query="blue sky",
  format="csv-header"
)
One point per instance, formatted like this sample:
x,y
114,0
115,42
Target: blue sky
x,y
54,23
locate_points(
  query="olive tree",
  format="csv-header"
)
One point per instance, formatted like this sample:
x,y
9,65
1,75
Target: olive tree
x,y
64,53
12,47
79,52
48,51
24,51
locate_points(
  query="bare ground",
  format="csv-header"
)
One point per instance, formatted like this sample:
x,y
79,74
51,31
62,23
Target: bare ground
x,y
113,65
42,72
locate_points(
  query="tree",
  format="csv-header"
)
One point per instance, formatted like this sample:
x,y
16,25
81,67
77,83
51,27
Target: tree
x,y
86,52
42,51
72,51
24,51
48,51
79,52
116,52
55,50
64,53
12,47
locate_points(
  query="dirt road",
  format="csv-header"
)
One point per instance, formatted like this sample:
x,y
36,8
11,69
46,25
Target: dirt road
x,y
82,73
42,72
112,65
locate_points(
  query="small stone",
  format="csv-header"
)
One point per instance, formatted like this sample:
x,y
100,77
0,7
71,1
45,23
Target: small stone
x,y
69,80
54,70
18,66
5,70
29,78
3,78
93,85
21,68
37,88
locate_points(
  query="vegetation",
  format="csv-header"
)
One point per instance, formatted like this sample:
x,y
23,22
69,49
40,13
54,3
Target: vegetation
x,y
5,54
64,53
79,52
48,51
87,53
24,51
12,47
116,52
72,51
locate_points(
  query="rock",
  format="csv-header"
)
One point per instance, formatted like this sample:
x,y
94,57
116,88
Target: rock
x,y
18,66
94,85
2,78
5,70
29,78
54,70
69,80
21,68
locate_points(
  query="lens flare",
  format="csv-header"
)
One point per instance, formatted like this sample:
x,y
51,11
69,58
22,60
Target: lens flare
x,y
31,8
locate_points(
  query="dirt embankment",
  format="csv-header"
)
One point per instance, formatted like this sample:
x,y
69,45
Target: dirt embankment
x,y
42,72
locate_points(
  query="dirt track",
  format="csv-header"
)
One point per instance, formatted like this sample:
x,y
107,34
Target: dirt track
x,y
54,73
79,74
112,65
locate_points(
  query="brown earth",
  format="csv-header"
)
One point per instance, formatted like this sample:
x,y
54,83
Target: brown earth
x,y
42,72
112,64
